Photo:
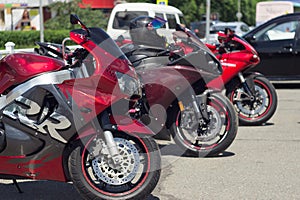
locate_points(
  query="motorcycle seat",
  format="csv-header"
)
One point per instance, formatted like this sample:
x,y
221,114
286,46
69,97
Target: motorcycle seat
x,y
136,53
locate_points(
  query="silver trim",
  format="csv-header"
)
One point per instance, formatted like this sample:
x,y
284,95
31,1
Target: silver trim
x,y
241,77
64,123
44,79
16,111
2,101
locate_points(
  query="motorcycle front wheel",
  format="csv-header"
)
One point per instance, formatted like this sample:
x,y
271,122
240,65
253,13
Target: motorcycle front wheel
x,y
258,109
212,139
95,177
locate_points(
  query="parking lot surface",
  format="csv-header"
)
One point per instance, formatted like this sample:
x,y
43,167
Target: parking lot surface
x,y
262,163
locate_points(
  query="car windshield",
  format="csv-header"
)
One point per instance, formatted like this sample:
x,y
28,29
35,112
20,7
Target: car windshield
x,y
123,18
215,29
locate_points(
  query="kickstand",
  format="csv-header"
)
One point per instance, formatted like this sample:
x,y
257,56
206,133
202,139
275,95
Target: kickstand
x,y
17,186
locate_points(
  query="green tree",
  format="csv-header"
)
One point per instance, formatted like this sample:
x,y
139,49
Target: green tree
x,y
190,8
194,10
227,10
91,17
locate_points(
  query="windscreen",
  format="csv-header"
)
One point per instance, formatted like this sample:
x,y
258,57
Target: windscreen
x,y
104,41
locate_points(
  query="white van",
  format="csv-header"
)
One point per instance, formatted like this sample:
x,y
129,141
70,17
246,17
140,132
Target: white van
x,y
267,10
118,23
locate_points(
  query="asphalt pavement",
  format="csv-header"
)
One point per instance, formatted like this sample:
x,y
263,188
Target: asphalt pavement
x,y
262,163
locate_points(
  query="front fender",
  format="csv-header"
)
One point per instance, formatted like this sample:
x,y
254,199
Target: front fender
x,y
249,76
124,124
135,127
253,74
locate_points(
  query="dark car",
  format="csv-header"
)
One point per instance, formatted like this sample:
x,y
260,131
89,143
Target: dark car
x,y
278,44
199,27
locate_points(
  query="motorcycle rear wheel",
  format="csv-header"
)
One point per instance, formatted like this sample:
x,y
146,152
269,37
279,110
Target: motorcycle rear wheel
x,y
94,178
222,128
257,112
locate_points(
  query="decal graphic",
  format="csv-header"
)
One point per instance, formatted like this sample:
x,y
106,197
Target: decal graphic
x,y
23,107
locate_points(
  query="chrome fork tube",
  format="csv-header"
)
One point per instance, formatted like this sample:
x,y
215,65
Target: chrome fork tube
x,y
241,77
199,105
245,84
112,146
196,106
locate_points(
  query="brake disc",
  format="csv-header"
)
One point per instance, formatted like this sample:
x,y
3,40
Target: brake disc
x,y
258,107
191,125
214,126
105,171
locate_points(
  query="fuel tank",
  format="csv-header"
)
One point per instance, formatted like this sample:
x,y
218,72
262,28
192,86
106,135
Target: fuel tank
x,y
19,67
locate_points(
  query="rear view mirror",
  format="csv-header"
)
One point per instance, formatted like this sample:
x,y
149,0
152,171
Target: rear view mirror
x,y
250,38
74,19
229,32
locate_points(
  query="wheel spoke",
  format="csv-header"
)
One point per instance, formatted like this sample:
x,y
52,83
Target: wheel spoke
x,y
241,96
196,143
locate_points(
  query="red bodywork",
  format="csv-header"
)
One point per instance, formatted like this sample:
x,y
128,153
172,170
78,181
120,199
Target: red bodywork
x,y
243,57
233,62
19,67
96,92
101,89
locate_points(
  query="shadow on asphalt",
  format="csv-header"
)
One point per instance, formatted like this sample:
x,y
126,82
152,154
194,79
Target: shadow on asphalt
x,y
222,155
151,197
265,124
286,85
174,150
45,190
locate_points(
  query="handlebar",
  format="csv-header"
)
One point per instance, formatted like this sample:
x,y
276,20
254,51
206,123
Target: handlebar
x,y
79,54
66,56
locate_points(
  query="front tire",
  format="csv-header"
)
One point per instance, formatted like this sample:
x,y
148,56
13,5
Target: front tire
x,y
220,132
259,111
94,177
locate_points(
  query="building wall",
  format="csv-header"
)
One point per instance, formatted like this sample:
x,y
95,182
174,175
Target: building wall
x,y
108,4
11,12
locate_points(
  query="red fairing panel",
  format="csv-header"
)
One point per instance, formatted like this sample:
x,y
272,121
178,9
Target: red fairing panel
x,y
232,64
88,97
18,67
46,168
131,126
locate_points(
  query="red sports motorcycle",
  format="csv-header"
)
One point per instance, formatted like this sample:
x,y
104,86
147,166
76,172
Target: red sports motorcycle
x,y
176,100
252,94
200,120
75,122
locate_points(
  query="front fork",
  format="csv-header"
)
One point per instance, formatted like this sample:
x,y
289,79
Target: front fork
x,y
110,147
199,104
248,85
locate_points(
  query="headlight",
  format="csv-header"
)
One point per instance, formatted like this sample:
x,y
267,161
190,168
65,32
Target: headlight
x,y
128,84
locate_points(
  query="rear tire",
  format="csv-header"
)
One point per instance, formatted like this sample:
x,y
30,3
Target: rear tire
x,y
96,179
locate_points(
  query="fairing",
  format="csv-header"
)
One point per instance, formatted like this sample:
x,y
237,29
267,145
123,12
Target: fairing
x,y
31,152
19,67
193,52
191,44
241,57
49,115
